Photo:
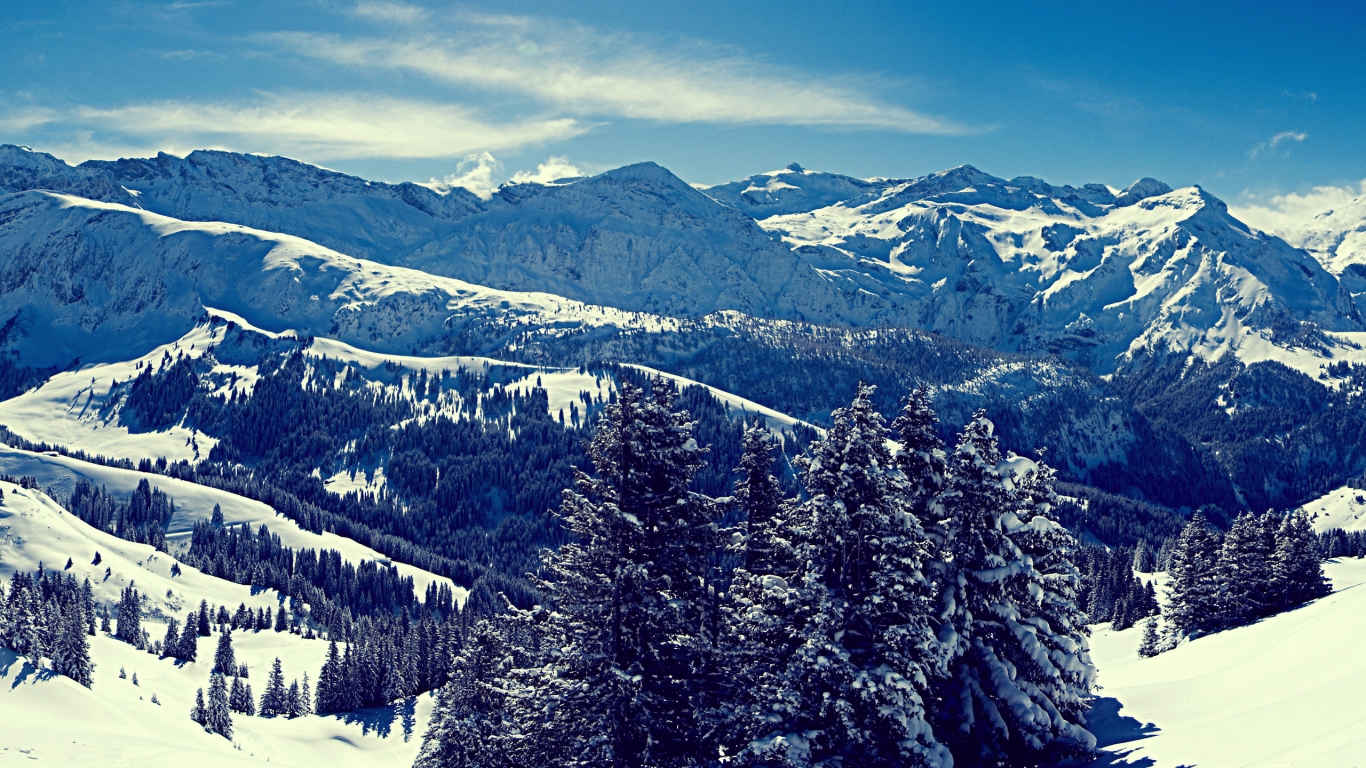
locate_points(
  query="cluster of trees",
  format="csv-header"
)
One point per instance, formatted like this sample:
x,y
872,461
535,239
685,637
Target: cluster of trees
x,y
1340,543
142,519
1262,565
50,616
1110,590
335,590
913,609
387,659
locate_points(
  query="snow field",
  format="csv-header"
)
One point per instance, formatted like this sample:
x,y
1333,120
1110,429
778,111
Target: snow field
x,y
114,722
1285,691
1343,508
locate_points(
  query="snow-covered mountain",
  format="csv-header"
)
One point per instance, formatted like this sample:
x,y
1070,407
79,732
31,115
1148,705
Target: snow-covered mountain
x,y
102,281
1337,238
1094,273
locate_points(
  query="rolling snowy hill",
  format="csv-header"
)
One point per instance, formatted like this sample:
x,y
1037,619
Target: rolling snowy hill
x,y
1284,691
51,719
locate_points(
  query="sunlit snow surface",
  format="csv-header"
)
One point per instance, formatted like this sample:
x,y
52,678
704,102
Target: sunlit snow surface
x,y
1343,508
53,720
1285,691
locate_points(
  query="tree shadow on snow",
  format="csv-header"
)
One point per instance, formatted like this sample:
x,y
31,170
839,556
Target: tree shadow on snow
x,y
8,659
380,720
1110,727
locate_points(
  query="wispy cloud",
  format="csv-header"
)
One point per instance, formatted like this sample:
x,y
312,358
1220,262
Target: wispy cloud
x,y
1279,214
479,172
400,13
318,126
588,74
1271,143
1304,95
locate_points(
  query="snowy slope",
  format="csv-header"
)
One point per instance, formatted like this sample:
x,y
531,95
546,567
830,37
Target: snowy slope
x,y
193,503
100,281
1284,691
1343,508
118,723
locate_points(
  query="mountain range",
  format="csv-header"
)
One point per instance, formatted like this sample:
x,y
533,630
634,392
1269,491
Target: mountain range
x,y
992,291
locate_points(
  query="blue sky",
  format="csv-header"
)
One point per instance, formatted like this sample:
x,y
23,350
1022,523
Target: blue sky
x,y
1263,104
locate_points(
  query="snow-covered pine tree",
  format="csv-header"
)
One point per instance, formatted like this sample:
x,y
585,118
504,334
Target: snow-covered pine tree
x,y
998,705
198,712
71,651
188,647
850,687
217,717
1050,615
129,628
921,458
329,682
1150,645
281,620
224,660
274,701
1296,569
630,596
759,496
1193,606
202,624
1243,573
305,698
294,701
170,644
470,725
238,699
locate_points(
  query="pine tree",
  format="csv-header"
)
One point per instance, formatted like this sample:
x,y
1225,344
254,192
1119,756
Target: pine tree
x,y
1001,703
199,713
216,520
1149,647
281,621
170,644
293,700
203,625
224,660
1194,604
329,695
305,698
631,597
130,616
217,716
188,647
847,636
1296,570
471,726
760,497
274,701
71,652
921,459
1243,573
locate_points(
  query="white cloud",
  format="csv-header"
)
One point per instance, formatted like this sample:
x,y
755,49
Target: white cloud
x,y
400,13
1282,213
552,169
588,74
1271,143
475,173
317,126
